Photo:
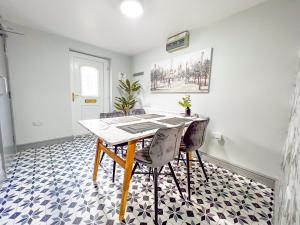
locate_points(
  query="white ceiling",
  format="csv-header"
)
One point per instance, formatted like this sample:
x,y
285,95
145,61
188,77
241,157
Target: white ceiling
x,y
99,22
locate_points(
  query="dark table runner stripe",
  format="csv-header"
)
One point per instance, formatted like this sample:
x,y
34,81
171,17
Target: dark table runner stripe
x,y
150,116
175,120
140,127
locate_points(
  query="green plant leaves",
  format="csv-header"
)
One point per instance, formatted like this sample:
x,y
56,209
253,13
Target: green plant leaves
x,y
128,99
186,102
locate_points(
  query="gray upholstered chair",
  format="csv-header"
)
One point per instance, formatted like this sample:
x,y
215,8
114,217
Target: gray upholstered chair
x,y
138,112
110,115
192,140
163,149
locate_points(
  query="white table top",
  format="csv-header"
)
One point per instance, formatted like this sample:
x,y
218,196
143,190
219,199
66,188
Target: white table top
x,y
111,134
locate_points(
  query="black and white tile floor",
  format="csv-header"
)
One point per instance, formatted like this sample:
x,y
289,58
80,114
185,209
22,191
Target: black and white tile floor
x,y
53,185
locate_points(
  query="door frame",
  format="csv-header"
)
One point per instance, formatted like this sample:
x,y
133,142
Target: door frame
x,y
4,37
88,56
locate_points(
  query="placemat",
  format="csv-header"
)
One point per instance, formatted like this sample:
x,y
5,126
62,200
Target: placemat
x,y
174,120
140,127
149,116
123,119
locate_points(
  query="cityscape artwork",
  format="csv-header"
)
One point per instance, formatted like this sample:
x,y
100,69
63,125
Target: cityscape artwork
x,y
186,73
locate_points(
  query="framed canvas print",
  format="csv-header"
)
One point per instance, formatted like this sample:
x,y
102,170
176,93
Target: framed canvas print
x,y
189,73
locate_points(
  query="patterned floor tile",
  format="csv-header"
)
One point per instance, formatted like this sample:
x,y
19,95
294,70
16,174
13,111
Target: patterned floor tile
x,y
52,185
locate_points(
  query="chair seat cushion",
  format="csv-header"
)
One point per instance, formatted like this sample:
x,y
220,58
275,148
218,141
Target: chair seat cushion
x,y
142,156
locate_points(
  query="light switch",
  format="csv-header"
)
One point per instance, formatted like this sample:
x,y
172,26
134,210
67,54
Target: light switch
x,y
217,135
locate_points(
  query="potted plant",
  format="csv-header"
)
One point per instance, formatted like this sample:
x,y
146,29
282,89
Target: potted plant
x,y
186,103
128,98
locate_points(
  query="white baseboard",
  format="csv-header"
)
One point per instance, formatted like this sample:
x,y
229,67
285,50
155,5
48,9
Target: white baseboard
x,y
268,181
44,143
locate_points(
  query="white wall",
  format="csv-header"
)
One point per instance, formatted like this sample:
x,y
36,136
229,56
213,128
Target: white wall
x,y
40,82
253,71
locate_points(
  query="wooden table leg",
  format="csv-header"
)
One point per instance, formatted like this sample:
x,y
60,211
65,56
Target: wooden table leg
x,y
97,159
191,158
127,177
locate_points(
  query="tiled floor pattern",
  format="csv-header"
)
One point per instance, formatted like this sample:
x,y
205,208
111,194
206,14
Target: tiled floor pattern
x,y
52,185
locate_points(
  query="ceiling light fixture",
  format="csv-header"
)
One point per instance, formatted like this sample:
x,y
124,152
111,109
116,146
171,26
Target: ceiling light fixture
x,y
132,8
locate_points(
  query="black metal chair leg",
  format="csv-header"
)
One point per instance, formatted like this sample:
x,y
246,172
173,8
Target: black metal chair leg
x,y
114,165
122,149
176,181
143,143
188,176
102,156
134,169
155,176
103,153
182,158
161,168
202,165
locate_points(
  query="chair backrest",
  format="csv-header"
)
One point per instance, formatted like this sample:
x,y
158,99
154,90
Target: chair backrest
x,y
138,112
111,114
165,145
195,134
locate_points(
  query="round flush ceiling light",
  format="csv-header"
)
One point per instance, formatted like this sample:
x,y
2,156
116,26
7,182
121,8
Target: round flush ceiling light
x,y
132,8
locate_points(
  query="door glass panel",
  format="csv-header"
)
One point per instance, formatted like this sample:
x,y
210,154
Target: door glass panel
x,y
89,81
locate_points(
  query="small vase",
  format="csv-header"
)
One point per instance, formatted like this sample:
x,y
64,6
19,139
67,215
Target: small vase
x,y
187,111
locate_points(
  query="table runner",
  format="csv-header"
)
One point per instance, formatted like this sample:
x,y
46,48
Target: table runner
x,y
175,120
140,127
123,119
150,116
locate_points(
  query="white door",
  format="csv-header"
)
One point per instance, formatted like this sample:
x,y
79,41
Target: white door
x,y
89,82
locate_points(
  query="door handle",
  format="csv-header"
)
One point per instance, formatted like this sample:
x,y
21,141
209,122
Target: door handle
x,y
5,86
74,96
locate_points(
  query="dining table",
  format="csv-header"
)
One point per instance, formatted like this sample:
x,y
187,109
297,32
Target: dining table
x,y
128,129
